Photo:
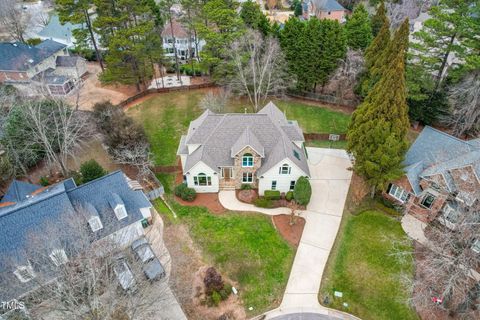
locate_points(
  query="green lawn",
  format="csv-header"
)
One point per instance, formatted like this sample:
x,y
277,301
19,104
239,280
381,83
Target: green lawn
x,y
246,247
327,144
362,267
166,117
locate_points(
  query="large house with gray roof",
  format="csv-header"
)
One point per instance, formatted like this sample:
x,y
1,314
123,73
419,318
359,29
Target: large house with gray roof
x,y
226,151
44,67
111,207
441,172
324,9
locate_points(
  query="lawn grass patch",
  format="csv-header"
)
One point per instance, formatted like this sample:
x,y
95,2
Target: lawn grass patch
x,y
247,248
327,144
363,268
165,117
167,180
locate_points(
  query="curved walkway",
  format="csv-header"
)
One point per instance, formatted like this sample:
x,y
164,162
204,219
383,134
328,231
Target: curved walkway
x,y
330,180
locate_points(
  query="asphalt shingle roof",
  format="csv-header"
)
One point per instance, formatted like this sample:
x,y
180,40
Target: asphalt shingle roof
x,y
328,5
55,204
436,152
218,136
20,57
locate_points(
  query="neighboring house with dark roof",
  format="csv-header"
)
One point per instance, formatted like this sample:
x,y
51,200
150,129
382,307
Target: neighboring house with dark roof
x,y
186,48
225,151
34,68
324,9
440,172
107,205
61,33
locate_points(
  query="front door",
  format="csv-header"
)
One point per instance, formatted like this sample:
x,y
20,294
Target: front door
x,y
227,173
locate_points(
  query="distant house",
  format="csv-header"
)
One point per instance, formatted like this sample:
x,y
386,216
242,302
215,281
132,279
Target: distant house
x,y
324,9
109,206
441,172
225,151
186,47
34,68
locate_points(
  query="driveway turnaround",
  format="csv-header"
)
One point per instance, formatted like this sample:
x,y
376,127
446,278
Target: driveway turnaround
x,y
330,180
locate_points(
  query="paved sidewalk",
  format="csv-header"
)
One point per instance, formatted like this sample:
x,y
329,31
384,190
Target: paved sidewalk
x,y
330,181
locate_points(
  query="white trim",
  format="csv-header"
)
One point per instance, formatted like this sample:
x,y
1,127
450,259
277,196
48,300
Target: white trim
x,y
234,155
58,257
95,223
292,164
120,211
30,274
402,192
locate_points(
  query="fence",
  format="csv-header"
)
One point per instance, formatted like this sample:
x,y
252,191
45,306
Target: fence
x,y
322,98
164,90
324,136
166,169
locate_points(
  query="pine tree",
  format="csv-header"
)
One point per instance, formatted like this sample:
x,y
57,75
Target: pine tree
x,y
293,46
358,29
377,132
254,17
298,10
379,19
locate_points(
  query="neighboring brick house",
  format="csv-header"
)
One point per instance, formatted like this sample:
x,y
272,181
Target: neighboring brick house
x,y
324,9
442,172
34,68
109,206
225,151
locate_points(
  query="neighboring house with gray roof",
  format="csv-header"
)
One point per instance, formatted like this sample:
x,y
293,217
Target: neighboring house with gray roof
x,y
33,69
225,151
107,206
324,9
440,171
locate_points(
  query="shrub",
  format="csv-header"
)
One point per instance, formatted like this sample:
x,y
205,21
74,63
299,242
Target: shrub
x,y
216,298
225,292
44,181
34,41
213,281
189,194
263,203
184,192
91,170
246,186
289,196
272,194
302,191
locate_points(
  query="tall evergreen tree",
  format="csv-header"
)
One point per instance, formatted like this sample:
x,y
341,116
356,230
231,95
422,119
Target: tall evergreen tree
x,y
372,54
379,18
254,17
358,28
377,132
77,12
220,27
298,9
127,28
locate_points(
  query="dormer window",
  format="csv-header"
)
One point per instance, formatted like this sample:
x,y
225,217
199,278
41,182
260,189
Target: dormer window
x,y
476,246
95,223
247,160
296,154
285,169
24,273
120,212
58,257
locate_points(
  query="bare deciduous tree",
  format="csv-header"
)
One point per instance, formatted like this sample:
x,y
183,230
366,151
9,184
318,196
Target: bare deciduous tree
x,y
13,19
75,275
464,99
59,129
343,81
259,67
446,277
215,102
138,155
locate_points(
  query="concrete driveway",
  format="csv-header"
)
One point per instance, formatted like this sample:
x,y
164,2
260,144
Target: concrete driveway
x,y
330,180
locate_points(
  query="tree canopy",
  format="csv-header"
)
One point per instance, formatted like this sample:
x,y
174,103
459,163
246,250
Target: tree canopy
x,y
358,29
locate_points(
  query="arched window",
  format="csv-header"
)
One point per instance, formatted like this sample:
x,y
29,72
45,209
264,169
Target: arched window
x,y
202,180
285,169
247,160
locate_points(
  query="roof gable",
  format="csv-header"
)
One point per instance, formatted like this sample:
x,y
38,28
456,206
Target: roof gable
x,y
247,139
20,57
18,191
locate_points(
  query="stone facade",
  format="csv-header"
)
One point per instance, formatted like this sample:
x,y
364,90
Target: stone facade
x,y
239,170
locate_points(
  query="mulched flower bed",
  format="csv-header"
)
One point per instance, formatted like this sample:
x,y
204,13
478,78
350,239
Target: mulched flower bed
x,y
291,233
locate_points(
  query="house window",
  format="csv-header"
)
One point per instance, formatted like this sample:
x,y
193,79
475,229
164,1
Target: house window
x,y
428,200
58,257
95,223
296,154
329,12
284,169
202,180
24,273
247,177
247,160
292,184
398,193
274,185
476,246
